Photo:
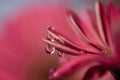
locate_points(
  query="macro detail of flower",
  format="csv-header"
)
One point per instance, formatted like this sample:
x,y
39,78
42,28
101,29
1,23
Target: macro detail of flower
x,y
97,50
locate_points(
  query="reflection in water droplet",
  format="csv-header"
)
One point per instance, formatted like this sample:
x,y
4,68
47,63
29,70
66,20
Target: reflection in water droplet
x,y
49,49
61,54
51,38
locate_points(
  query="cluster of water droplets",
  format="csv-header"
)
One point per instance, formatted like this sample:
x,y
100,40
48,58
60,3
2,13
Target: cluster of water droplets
x,y
51,49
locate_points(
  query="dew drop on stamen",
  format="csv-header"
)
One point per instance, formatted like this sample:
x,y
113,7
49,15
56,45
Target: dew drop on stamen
x,y
49,49
61,54
51,38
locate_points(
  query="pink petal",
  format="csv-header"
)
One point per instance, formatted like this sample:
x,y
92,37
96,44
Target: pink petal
x,y
77,63
22,38
83,31
10,63
106,76
85,68
114,13
115,31
116,40
7,76
92,25
103,25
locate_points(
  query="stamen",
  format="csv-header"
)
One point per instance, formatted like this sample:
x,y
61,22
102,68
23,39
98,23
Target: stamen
x,y
81,46
61,53
49,49
63,40
61,47
53,33
51,38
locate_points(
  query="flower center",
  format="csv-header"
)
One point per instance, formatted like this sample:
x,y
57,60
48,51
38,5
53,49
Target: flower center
x,y
106,52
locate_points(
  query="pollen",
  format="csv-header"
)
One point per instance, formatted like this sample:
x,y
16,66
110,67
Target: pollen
x,y
106,52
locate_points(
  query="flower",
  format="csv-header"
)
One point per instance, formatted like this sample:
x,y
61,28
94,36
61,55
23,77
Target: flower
x,y
97,49
21,49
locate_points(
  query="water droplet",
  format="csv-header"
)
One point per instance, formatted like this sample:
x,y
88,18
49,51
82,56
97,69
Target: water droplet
x,y
51,38
49,49
61,54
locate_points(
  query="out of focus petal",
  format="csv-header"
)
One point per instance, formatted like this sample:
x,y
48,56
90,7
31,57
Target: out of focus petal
x,y
116,39
77,63
106,76
22,41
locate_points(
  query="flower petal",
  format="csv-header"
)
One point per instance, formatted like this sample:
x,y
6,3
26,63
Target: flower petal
x,y
84,31
114,13
103,25
85,68
22,40
106,76
77,63
102,14
116,40
92,26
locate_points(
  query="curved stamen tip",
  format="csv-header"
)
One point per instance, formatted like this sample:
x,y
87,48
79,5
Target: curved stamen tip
x,y
50,28
51,38
49,49
61,54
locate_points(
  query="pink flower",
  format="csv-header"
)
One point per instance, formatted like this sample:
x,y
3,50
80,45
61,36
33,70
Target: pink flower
x,y
96,50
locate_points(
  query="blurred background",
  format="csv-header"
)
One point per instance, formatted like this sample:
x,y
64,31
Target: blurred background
x,y
10,6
